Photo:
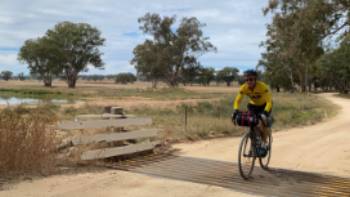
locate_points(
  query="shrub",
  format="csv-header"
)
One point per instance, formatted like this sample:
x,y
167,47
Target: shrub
x,y
125,78
27,141
6,75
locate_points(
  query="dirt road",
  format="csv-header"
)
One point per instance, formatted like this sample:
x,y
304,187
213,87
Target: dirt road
x,y
322,149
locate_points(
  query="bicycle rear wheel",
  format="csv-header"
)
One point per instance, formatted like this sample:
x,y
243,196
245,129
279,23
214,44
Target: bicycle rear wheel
x,y
246,156
264,161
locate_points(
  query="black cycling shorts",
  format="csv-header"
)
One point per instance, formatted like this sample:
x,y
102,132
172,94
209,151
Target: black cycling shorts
x,y
256,109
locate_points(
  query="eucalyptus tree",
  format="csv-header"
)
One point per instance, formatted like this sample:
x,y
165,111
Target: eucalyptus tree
x,y
169,52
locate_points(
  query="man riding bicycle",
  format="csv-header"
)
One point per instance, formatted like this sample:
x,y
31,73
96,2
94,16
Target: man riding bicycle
x,y
260,102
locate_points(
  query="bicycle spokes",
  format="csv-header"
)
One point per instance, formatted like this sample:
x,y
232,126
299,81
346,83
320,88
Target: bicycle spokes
x,y
246,158
264,161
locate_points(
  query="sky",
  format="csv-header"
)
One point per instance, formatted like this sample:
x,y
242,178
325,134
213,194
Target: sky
x,y
235,27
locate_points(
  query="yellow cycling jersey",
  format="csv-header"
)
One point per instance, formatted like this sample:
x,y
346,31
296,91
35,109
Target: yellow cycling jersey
x,y
259,96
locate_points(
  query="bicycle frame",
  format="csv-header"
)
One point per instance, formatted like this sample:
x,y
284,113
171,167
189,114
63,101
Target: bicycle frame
x,y
252,136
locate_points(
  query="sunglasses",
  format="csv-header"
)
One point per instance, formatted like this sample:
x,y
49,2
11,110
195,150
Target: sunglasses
x,y
250,79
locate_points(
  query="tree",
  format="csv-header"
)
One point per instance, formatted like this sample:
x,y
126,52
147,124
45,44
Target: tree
x,y
334,68
296,38
190,73
75,46
6,75
148,61
125,78
228,74
68,48
206,75
167,55
21,76
41,59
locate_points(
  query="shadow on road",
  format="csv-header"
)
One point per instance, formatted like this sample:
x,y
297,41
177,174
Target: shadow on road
x,y
275,182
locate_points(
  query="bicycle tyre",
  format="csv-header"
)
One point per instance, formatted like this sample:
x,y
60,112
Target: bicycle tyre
x,y
246,170
264,161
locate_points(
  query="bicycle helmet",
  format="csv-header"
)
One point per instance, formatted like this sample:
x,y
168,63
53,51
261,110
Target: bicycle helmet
x,y
250,72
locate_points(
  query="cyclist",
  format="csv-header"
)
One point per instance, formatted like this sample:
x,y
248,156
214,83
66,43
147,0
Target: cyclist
x,y
260,102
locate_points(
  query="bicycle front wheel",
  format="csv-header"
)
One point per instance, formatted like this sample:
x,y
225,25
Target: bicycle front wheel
x,y
246,156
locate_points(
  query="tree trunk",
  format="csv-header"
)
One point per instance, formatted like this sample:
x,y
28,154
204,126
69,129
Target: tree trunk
x,y
310,87
291,78
316,86
47,84
228,83
72,76
174,77
306,79
47,80
302,82
173,83
72,82
346,91
154,84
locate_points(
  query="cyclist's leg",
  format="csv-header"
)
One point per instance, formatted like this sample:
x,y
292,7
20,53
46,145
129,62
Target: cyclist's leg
x,y
257,110
267,128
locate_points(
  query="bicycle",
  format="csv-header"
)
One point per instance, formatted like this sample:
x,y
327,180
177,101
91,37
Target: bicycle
x,y
247,153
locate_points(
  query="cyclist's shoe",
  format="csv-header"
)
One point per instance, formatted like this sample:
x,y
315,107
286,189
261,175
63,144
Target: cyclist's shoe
x,y
261,151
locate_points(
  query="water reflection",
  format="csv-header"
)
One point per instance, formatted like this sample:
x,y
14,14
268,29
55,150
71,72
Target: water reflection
x,y
31,101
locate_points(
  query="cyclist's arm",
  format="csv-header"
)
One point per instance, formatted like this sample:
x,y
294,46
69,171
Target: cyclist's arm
x,y
268,96
238,100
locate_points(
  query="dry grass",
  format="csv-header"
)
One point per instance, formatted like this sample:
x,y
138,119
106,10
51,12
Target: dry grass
x,y
212,119
27,141
89,91
209,107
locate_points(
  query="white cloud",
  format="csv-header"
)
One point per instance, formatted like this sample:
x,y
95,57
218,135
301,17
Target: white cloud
x,y
6,20
113,67
8,59
235,27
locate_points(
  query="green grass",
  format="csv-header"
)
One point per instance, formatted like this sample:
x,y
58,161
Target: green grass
x,y
108,93
34,93
292,110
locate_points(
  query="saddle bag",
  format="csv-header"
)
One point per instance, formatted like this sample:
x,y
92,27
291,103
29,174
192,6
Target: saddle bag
x,y
246,119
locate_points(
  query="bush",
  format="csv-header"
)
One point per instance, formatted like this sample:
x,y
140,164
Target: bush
x,y
21,77
27,141
125,78
6,75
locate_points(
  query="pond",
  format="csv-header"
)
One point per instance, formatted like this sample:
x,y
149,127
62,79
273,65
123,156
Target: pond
x,y
31,101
